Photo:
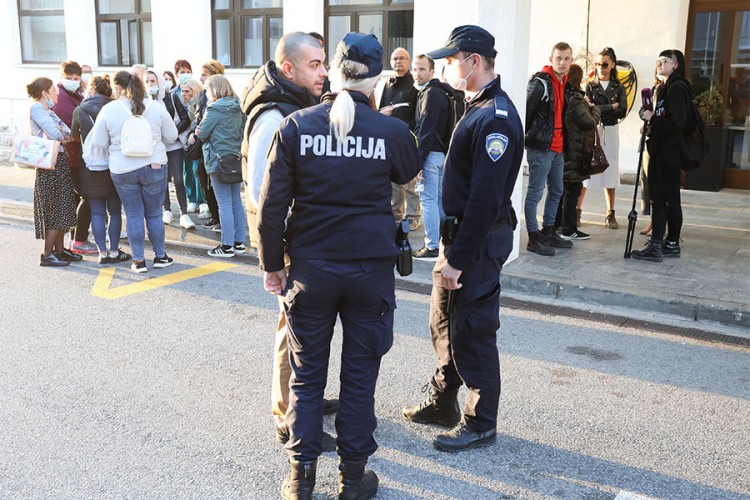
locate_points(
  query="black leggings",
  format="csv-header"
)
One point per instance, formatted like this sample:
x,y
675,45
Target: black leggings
x,y
80,232
664,189
213,205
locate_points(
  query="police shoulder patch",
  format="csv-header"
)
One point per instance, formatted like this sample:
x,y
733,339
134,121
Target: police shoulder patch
x,y
496,145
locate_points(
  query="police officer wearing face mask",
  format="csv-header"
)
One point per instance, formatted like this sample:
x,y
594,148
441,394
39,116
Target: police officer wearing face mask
x,y
333,164
481,168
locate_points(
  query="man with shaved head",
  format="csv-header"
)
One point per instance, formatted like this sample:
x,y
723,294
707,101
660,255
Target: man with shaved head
x,y
399,99
294,80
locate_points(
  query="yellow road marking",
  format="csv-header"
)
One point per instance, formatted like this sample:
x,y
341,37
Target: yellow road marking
x,y
102,289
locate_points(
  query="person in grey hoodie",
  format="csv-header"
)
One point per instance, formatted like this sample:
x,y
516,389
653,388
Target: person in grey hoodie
x,y
221,133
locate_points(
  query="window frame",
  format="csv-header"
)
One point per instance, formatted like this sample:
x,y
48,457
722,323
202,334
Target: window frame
x,y
37,13
138,17
384,7
236,15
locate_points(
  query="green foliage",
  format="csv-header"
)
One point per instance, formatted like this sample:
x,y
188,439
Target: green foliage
x,y
711,106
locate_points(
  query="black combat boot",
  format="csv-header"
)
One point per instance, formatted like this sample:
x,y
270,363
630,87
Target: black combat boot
x,y
536,245
671,249
652,252
300,482
356,483
439,408
550,238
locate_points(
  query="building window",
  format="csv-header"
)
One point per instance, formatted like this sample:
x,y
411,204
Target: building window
x,y
123,29
392,21
246,32
42,26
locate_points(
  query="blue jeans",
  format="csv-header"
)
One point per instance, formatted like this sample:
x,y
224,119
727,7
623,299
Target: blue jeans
x,y
142,194
545,167
231,211
100,207
432,198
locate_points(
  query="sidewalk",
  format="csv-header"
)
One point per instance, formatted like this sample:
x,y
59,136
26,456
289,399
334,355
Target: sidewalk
x,y
708,285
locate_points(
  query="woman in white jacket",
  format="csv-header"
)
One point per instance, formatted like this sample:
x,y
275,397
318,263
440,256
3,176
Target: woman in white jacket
x,y
140,180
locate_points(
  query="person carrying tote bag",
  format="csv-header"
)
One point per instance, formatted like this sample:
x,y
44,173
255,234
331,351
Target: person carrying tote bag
x,y
221,134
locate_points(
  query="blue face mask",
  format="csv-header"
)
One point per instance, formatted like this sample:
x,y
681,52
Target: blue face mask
x,y
71,85
185,77
153,90
50,102
422,87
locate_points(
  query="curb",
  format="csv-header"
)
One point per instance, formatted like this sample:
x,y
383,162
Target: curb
x,y
523,289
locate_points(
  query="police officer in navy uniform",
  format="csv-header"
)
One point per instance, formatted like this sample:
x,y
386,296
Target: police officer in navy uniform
x,y
333,164
480,172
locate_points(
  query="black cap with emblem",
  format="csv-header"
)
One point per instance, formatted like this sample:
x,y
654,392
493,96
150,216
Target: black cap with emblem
x,y
363,49
468,38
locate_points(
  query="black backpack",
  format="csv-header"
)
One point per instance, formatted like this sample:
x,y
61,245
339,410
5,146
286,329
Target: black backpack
x,y
694,144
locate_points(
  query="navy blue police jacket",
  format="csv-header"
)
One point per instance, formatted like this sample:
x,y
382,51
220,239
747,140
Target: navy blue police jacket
x,y
339,194
481,169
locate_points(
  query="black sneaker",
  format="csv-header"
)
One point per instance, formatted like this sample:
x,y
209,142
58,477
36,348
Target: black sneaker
x,y
138,266
210,223
160,262
426,253
66,254
239,248
551,239
573,236
222,252
52,260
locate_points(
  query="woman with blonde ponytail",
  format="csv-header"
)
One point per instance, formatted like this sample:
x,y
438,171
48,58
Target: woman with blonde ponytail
x,y
333,164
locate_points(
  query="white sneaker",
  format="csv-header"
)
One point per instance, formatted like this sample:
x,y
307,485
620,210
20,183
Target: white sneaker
x,y
205,213
167,217
192,208
186,222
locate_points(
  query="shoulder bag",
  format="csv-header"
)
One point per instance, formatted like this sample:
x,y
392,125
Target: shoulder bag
x,y
599,162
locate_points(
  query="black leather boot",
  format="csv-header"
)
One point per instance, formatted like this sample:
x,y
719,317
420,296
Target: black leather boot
x,y
550,238
300,482
356,483
439,408
671,249
536,245
652,252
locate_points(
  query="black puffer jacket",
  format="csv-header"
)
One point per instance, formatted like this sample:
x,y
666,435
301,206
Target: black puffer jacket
x,y
540,111
399,89
605,98
268,90
579,127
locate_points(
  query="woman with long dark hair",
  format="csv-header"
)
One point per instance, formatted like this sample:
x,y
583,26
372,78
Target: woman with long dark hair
x,y
669,121
55,200
607,93
140,180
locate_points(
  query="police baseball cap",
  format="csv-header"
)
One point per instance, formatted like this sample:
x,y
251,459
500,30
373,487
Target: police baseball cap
x,y
361,48
467,38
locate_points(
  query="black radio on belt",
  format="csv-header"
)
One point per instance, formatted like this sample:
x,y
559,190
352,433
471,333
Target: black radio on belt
x,y
403,259
449,230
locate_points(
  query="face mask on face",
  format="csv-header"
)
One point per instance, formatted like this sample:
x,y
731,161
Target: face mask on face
x,y
153,90
422,86
168,84
451,75
86,77
71,85
50,102
185,77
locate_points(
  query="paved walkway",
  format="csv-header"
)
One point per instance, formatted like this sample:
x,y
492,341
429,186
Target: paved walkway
x,y
708,286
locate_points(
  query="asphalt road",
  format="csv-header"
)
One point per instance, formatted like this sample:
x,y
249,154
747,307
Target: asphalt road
x,y
164,393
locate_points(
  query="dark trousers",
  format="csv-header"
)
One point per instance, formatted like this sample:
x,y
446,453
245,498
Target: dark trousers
x,y
80,232
566,213
175,172
213,205
361,292
664,189
465,338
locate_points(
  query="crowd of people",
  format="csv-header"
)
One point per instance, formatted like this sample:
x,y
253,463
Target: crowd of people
x,y
329,177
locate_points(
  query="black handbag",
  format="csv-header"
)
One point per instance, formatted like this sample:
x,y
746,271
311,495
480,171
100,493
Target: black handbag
x,y
194,151
230,168
599,162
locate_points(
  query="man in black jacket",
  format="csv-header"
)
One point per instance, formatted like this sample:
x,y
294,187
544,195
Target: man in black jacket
x,y
292,82
399,100
544,149
434,126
